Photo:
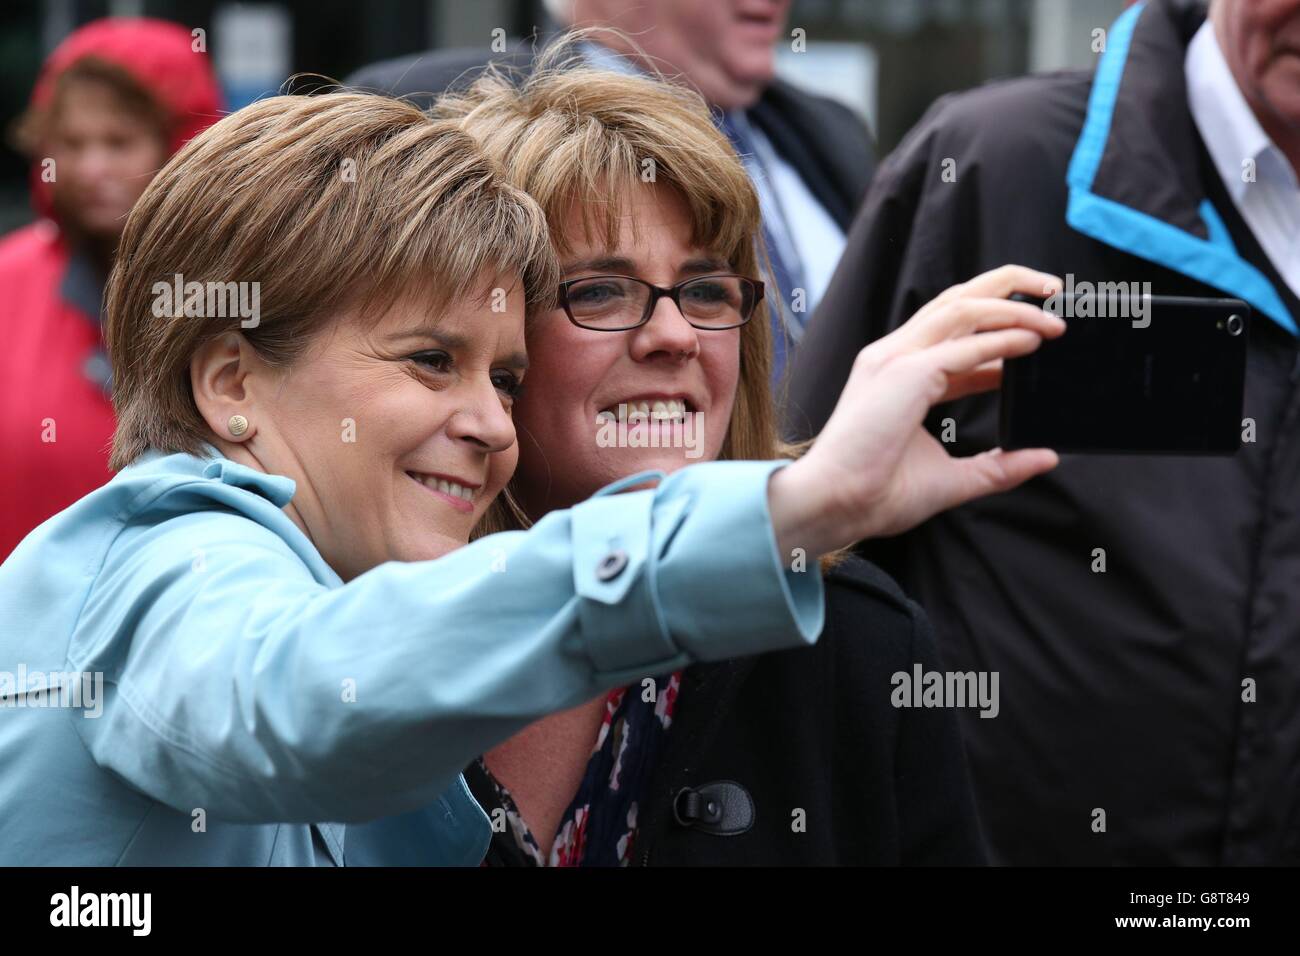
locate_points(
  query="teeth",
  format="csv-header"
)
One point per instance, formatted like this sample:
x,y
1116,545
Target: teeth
x,y
670,410
446,487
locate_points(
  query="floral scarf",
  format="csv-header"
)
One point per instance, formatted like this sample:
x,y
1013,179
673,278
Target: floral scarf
x,y
599,828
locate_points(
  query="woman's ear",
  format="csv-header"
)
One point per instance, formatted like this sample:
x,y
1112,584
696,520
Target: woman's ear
x,y
221,373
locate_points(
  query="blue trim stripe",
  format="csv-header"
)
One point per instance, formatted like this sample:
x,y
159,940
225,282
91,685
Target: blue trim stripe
x,y
1101,102
1243,278
1213,261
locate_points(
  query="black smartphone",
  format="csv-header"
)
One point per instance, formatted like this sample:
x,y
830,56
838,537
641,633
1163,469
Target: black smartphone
x,y
1145,375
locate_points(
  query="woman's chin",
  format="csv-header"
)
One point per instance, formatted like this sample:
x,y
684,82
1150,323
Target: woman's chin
x,y
629,461
432,547
615,464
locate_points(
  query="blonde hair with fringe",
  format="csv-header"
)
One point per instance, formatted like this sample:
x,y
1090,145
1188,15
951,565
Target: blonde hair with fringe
x,y
568,134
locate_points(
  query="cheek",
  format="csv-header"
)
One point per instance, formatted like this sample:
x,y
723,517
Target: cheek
x,y
566,367
722,374
1282,88
722,369
401,414
327,411
698,20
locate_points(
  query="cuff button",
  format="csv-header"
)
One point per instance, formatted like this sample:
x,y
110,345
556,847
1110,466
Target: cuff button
x,y
611,565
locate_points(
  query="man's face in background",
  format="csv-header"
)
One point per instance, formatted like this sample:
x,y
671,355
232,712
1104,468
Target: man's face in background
x,y
724,47
1261,42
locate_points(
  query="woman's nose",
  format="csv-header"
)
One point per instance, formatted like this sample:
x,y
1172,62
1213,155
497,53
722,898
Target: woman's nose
x,y
667,333
483,420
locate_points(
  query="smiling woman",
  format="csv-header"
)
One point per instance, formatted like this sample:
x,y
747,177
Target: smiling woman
x,y
660,317
386,231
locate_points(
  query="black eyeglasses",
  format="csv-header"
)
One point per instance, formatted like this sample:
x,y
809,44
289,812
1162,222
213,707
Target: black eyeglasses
x,y
618,303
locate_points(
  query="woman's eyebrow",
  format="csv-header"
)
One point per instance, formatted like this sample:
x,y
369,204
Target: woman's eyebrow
x,y
697,266
600,264
448,340
454,342
517,361
702,266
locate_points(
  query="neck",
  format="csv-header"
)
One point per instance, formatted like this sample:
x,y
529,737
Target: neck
x,y
102,250
240,452
98,249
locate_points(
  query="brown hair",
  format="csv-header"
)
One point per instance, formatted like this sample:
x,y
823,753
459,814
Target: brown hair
x,y
32,129
568,133
328,202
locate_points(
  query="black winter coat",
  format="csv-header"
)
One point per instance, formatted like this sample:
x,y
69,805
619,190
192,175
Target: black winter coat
x,y
821,764
1151,712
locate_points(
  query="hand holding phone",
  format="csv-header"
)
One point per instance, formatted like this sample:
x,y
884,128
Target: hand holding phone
x,y
874,470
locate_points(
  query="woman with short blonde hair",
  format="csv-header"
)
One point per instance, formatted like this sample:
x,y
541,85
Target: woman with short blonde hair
x,y
349,201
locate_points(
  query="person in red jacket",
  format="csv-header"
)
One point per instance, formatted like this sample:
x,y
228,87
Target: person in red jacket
x,y
110,105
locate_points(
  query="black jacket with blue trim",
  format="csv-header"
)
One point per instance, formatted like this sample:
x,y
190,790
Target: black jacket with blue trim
x,y
1151,713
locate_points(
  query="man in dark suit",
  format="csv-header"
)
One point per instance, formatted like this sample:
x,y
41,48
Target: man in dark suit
x,y
810,157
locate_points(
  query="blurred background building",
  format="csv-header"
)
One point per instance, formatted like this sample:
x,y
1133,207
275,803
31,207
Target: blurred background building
x,y
888,59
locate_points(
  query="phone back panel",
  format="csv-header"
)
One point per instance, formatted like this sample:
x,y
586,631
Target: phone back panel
x,y
1171,384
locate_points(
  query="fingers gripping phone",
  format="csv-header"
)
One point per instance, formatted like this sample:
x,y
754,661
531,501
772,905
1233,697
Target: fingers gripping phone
x,y
1153,375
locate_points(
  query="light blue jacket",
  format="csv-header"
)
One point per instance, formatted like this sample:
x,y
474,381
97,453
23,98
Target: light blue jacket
x,y
248,694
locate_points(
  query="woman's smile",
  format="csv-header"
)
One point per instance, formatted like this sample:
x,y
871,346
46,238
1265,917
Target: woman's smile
x,y
458,493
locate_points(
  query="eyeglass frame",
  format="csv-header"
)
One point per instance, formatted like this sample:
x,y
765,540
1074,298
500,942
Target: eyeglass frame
x,y
658,292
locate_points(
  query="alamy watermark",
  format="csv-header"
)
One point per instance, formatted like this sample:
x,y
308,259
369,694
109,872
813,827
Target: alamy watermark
x,y
208,300
657,424
75,908
77,690
922,688
1102,300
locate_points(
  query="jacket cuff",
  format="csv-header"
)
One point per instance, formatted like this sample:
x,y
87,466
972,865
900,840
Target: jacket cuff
x,y
697,556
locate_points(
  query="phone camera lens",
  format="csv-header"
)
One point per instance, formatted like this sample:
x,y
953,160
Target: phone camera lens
x,y
1235,324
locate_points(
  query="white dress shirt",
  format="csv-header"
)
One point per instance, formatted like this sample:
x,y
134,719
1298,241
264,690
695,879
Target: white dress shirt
x,y
1271,204
794,216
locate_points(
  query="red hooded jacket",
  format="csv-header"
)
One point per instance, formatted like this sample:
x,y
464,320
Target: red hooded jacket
x,y
58,422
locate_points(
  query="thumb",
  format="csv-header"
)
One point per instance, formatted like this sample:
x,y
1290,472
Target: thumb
x,y
995,471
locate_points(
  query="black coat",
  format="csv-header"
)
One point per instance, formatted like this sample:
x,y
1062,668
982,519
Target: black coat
x,y
825,142
1124,691
814,729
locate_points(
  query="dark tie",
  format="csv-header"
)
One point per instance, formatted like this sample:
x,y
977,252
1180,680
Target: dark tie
x,y
783,278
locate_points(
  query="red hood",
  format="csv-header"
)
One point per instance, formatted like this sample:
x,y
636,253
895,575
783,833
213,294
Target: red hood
x,y
159,55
